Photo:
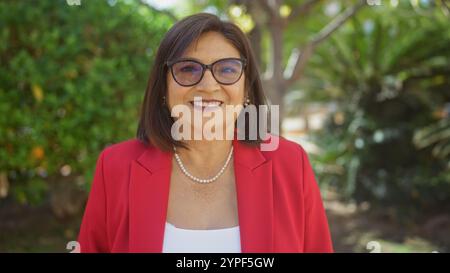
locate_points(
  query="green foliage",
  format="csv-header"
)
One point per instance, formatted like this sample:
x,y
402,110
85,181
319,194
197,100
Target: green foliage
x,y
71,82
388,70
436,135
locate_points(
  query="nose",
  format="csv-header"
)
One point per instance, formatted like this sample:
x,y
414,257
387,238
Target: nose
x,y
208,81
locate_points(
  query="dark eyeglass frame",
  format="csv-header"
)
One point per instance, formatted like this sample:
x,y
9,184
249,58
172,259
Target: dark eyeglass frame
x,y
204,67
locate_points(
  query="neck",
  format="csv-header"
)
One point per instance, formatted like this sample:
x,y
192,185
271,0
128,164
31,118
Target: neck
x,y
205,157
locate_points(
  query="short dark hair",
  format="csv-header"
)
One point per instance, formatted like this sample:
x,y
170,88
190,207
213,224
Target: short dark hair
x,y
155,120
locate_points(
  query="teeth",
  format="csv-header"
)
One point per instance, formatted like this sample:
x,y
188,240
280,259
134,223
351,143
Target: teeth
x,y
206,104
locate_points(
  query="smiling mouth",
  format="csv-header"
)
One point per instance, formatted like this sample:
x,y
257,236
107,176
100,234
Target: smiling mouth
x,y
206,105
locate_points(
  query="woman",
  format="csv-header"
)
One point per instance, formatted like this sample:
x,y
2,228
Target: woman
x,y
157,193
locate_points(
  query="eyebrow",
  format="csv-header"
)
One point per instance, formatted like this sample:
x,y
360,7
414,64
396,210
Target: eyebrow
x,y
198,60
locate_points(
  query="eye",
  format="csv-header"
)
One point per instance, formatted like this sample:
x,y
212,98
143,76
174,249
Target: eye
x,y
188,68
228,69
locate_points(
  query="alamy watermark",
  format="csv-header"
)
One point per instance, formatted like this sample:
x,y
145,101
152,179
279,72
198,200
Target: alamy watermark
x,y
220,123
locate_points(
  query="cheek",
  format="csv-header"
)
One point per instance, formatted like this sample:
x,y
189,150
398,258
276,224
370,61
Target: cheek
x,y
236,93
175,93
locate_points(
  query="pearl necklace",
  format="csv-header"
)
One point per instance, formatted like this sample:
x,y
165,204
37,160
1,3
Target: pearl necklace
x,y
196,179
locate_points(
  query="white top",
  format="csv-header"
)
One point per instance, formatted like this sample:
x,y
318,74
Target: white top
x,y
224,240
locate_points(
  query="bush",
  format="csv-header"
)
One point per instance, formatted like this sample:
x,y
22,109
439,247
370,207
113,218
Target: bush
x,y
388,141
71,82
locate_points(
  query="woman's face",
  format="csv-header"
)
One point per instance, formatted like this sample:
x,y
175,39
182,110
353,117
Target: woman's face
x,y
210,47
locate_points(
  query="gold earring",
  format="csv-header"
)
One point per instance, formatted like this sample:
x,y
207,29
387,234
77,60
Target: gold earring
x,y
247,102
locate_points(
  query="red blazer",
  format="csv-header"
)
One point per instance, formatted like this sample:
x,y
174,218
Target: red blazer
x,y
279,203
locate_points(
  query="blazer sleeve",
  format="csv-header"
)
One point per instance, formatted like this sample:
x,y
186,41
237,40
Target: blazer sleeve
x,y
93,232
317,234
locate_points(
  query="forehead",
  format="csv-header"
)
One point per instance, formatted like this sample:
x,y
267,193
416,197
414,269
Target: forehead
x,y
209,47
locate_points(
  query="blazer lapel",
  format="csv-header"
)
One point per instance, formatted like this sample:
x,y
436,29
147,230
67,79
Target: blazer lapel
x,y
149,193
253,174
148,200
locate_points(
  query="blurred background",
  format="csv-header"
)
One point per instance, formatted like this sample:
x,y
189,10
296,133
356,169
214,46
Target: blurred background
x,y
363,86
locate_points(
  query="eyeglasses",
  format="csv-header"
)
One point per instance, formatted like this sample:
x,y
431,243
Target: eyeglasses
x,y
188,72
